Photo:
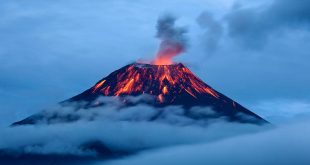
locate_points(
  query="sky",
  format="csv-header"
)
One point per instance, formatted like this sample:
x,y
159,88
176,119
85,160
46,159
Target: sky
x,y
255,52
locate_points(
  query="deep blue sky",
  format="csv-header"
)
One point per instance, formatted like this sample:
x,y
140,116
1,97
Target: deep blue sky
x,y
256,52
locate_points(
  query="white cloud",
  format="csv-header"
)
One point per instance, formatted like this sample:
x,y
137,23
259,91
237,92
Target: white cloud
x,y
286,145
66,130
117,136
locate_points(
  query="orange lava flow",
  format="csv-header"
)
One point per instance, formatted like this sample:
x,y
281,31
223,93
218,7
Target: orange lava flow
x,y
162,61
165,82
211,92
97,86
167,52
126,88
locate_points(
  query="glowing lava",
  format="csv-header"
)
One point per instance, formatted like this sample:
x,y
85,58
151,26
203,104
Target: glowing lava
x,y
166,52
166,82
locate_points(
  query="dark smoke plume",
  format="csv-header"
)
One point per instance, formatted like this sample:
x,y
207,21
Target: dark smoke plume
x,y
173,41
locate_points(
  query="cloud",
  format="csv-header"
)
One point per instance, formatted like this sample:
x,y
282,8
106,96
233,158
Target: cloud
x,y
113,109
125,131
253,25
213,30
285,145
68,131
117,137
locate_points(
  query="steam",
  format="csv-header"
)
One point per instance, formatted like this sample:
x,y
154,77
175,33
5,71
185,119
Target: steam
x,y
173,40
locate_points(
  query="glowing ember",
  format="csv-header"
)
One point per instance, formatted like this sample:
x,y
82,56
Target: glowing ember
x,y
165,90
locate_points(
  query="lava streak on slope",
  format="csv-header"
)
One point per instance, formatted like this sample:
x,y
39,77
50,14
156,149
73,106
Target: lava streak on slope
x,y
167,85
165,82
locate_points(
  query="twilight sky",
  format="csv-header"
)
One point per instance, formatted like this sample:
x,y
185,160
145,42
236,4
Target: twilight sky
x,y
256,52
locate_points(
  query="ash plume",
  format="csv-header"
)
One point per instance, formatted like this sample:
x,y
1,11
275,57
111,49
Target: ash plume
x,y
173,40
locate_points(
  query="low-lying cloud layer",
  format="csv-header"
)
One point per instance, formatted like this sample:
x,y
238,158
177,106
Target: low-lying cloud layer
x,y
286,145
118,137
113,109
68,131
175,140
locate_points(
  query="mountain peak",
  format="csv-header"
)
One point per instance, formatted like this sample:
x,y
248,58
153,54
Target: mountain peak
x,y
166,82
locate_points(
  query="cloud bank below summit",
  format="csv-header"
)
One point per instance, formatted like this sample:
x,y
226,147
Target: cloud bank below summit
x,y
284,145
116,136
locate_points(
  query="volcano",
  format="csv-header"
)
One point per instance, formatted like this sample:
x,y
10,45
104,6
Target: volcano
x,y
167,85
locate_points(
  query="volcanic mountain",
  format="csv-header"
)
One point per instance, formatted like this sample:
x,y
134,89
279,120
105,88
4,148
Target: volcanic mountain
x,y
167,85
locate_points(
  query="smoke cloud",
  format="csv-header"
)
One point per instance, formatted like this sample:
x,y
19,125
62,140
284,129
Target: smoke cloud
x,y
213,30
172,39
